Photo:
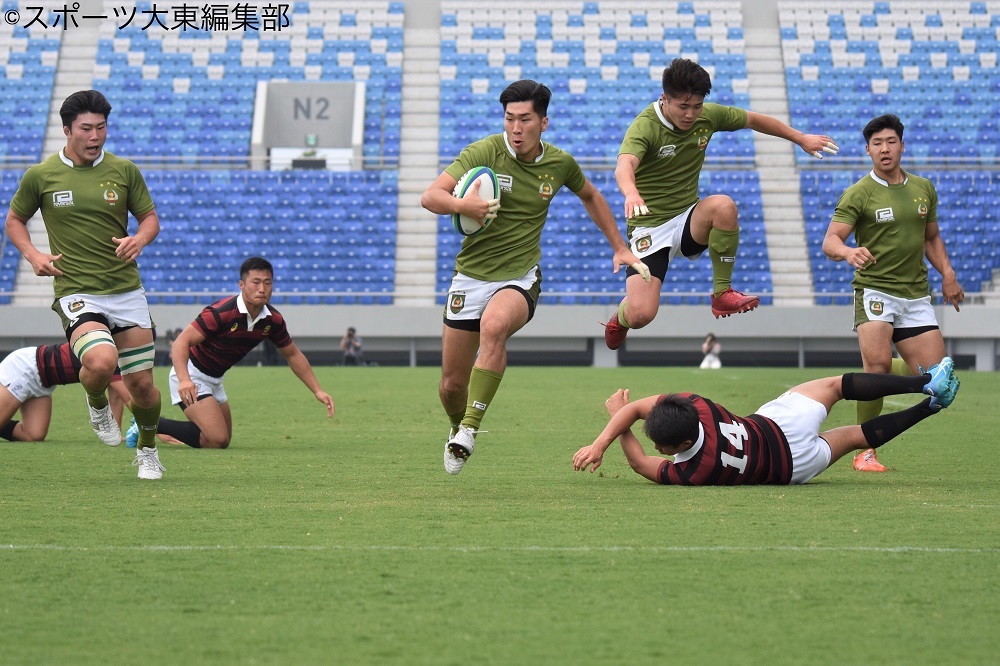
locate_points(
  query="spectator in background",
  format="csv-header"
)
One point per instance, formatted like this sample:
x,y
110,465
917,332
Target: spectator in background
x,y
893,216
711,349
350,344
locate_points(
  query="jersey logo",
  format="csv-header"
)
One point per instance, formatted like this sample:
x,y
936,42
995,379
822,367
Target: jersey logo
x,y
884,215
75,306
456,302
643,243
506,182
667,151
63,198
876,307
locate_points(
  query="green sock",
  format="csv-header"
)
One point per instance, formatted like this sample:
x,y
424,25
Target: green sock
x,y
621,314
722,246
147,418
482,387
868,409
97,400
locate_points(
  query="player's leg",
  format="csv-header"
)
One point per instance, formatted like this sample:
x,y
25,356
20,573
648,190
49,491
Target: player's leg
x,y
458,354
207,427
36,415
715,222
9,404
876,432
875,342
94,345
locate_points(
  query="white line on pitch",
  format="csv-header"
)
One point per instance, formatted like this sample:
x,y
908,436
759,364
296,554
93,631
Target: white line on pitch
x,y
513,549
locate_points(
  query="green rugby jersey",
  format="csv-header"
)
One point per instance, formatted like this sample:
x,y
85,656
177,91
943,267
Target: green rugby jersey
x,y
512,242
670,160
891,221
83,207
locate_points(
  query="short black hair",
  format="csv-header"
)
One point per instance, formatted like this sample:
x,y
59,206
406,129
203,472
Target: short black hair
x,y
684,77
876,125
84,101
672,420
527,90
255,264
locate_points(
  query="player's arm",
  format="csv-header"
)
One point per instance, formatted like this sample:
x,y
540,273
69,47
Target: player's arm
x,y
180,353
625,177
299,364
814,144
835,246
600,212
937,255
647,466
623,415
17,230
130,247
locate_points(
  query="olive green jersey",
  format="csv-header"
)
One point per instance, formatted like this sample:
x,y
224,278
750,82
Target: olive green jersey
x,y
891,221
670,160
83,207
511,244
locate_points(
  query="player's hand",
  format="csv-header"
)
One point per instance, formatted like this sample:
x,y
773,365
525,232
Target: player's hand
x,y
624,257
635,206
483,210
952,293
44,264
617,400
860,258
128,249
325,398
817,144
187,392
589,456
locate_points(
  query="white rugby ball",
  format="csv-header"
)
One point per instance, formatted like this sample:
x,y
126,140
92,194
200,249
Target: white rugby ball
x,y
489,188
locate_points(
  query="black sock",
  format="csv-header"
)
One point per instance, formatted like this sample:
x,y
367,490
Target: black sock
x,y
872,386
882,428
7,430
184,431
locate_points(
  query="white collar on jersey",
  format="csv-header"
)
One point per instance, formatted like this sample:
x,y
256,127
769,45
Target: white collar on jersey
x,y
68,162
663,118
514,155
885,183
242,307
684,456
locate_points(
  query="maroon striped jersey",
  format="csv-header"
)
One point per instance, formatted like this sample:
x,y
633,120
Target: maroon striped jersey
x,y
57,365
735,451
228,338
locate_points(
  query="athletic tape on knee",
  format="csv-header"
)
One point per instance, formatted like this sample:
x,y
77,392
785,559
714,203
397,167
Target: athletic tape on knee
x,y
90,339
136,359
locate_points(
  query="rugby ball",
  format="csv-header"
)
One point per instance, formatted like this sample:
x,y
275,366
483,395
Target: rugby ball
x,y
489,188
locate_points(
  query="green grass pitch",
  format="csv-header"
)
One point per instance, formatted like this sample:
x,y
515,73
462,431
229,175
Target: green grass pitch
x,y
344,541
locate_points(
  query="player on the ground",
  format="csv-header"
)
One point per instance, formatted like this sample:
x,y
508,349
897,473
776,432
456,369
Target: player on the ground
x,y
497,277
85,195
659,163
780,443
893,216
28,376
218,339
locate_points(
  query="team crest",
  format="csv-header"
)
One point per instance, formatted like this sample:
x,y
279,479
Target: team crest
x,y
76,306
702,142
667,151
876,308
643,243
267,329
922,210
235,326
545,190
456,302
111,197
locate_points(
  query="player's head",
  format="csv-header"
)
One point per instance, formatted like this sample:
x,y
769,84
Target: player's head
x,y
85,123
256,281
672,424
525,108
884,142
686,84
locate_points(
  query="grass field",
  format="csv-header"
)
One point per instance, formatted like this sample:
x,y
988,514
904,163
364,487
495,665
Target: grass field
x,y
344,541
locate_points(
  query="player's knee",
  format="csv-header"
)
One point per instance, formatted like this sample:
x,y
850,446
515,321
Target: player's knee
x,y
142,389
34,432
452,386
214,440
723,211
640,317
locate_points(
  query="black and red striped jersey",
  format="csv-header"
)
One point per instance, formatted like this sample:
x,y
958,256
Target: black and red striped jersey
x,y
734,451
228,337
57,365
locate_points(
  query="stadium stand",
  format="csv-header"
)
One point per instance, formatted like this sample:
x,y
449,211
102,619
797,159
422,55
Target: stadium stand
x,y
934,66
603,62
